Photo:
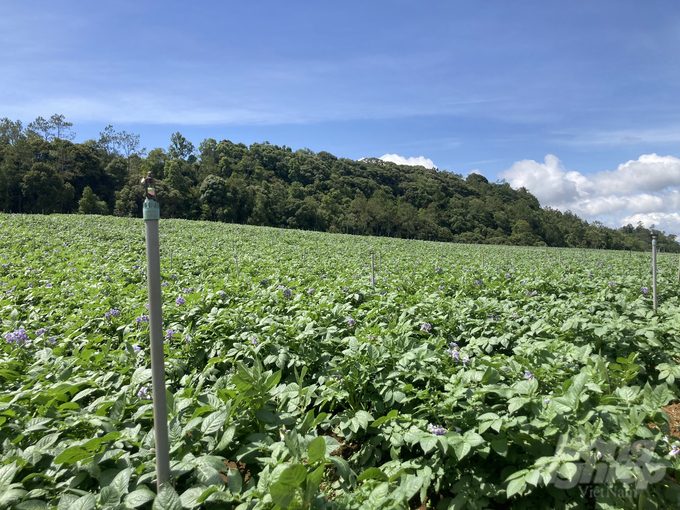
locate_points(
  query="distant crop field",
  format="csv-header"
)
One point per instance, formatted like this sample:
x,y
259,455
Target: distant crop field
x,y
460,377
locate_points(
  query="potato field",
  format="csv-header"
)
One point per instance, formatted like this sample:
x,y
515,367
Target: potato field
x,y
299,376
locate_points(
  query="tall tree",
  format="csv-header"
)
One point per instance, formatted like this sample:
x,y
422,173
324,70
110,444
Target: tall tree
x,y
180,147
42,128
62,129
42,187
10,132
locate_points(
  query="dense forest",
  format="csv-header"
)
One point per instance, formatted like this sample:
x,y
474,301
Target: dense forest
x,y
43,171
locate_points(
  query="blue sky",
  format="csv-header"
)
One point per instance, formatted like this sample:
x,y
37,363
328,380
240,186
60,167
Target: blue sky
x,y
492,86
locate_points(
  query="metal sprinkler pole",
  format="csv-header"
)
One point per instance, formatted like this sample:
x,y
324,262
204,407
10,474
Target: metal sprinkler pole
x,y
153,270
654,270
372,271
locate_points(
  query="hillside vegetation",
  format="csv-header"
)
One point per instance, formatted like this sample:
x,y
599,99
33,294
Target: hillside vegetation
x,y
42,171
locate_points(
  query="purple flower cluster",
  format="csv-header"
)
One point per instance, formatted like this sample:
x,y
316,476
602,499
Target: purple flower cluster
x,y
143,318
532,293
645,290
180,301
112,313
169,334
528,376
40,332
144,393
426,327
477,282
311,291
612,284
253,341
453,350
436,430
136,348
287,293
438,269
508,275
265,281
221,293
350,321
165,284
18,337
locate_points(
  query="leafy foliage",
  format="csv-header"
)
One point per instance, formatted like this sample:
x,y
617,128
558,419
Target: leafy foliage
x,y
42,171
297,382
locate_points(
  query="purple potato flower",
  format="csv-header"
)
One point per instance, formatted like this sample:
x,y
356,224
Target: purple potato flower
x,y
18,336
674,451
436,429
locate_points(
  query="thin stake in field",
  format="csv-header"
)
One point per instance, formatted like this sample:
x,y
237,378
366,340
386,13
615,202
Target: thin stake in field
x,y
372,271
153,269
654,270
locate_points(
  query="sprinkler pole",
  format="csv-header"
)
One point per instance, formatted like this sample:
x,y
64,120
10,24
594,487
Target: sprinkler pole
x,y
654,270
153,270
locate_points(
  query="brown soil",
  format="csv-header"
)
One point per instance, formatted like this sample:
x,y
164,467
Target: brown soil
x,y
673,412
240,466
345,450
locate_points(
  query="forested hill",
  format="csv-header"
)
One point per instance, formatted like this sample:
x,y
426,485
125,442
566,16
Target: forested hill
x,y
41,171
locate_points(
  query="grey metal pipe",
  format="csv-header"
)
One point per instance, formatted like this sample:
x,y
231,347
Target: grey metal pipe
x,y
654,270
160,413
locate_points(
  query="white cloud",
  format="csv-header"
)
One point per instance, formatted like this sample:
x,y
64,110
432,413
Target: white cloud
x,y
645,189
549,181
401,160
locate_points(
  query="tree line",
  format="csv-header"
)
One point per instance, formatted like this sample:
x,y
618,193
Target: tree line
x,y
43,171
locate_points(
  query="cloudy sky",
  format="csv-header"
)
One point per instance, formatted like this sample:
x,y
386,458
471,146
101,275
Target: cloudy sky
x,y
578,101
